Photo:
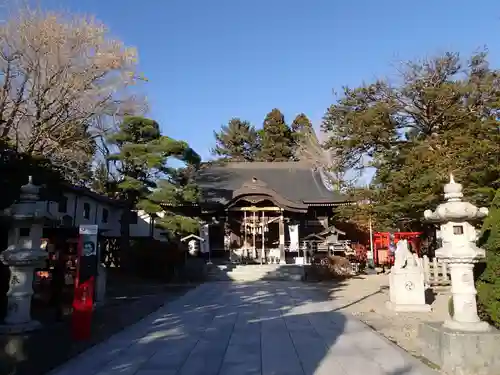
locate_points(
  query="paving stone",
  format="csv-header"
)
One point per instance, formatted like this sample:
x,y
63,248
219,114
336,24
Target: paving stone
x,y
156,372
257,328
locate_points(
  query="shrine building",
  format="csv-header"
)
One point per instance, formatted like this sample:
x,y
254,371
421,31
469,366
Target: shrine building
x,y
265,211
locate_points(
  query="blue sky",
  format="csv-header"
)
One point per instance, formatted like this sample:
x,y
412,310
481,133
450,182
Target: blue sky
x,y
208,61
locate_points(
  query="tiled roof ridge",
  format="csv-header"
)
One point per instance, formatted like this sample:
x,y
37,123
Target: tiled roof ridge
x,y
267,165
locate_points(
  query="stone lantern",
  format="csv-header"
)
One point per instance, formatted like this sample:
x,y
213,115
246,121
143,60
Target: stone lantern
x,y
23,255
460,252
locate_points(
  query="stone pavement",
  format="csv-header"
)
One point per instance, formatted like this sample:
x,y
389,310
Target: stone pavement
x,y
268,328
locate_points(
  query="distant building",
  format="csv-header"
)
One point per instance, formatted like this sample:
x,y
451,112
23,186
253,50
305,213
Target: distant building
x,y
79,206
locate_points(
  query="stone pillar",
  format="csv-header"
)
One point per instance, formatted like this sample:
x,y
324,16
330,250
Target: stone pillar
x,y
282,239
464,299
444,273
19,295
427,271
435,270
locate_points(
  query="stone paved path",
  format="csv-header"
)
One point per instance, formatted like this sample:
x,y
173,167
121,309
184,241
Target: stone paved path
x,y
265,328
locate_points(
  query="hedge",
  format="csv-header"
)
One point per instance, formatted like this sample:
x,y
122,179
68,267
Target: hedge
x,y
488,283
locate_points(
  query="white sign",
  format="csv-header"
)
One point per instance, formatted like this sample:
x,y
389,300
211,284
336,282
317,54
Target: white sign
x,y
88,229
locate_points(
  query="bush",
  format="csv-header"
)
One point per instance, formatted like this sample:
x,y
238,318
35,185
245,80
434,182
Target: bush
x,y
339,267
488,283
329,268
361,256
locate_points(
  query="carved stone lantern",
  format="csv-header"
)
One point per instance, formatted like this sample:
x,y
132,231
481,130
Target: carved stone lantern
x,y
23,255
460,252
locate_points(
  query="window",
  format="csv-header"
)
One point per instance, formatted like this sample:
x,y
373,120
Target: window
x,y
458,230
62,206
105,215
24,232
133,217
86,210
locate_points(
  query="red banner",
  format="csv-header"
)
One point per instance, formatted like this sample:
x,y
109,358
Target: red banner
x,y
83,300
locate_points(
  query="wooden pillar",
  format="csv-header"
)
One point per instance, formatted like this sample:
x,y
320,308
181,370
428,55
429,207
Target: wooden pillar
x,y
262,252
245,233
254,232
282,238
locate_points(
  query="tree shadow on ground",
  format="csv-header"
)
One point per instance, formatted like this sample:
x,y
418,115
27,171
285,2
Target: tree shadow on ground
x,y
37,352
278,328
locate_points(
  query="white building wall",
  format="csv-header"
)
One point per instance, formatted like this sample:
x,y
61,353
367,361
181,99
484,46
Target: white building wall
x,y
145,227
75,209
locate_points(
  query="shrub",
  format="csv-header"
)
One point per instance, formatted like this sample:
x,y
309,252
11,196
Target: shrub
x,y
339,267
361,256
488,283
329,268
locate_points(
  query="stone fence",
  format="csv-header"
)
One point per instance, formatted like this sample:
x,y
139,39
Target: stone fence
x,y
436,273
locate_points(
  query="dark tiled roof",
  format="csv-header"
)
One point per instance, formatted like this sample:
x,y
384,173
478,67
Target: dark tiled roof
x,y
294,181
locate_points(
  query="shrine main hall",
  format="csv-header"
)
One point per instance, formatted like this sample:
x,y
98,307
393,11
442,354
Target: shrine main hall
x,y
265,211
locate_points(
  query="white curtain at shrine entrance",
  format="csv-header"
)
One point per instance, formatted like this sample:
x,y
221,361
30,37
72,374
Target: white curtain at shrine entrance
x,y
294,237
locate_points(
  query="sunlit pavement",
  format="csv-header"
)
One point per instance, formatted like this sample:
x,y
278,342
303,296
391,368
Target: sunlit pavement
x,y
268,328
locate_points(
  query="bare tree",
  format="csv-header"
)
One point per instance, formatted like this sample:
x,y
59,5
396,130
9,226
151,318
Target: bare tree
x,y
311,148
59,77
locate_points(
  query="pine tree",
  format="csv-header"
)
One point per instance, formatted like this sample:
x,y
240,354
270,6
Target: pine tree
x,y
147,183
441,118
100,182
301,130
276,138
488,285
236,141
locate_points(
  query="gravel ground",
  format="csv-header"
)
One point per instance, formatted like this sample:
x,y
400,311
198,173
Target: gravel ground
x,y
365,298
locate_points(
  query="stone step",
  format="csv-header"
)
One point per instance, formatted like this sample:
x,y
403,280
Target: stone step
x,y
255,272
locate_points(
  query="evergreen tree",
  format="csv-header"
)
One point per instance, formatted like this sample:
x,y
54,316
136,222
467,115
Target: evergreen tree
x,y
101,182
276,138
301,124
442,118
301,130
236,141
147,182
488,285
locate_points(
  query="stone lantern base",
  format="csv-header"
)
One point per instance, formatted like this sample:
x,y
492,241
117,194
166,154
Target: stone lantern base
x,y
459,352
479,326
13,329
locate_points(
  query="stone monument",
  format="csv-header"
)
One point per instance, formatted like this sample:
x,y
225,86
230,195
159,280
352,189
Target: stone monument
x,y
406,282
463,344
23,255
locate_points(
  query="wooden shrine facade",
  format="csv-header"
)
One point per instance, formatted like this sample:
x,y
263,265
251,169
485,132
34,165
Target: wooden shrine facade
x,y
262,211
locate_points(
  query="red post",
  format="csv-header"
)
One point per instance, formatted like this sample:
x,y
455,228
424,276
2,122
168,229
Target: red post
x,y
83,305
